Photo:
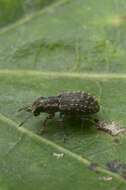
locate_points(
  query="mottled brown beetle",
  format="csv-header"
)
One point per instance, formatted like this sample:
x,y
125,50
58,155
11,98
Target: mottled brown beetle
x,y
67,103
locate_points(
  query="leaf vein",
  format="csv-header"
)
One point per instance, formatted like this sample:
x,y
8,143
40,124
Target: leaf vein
x,y
39,139
50,74
31,16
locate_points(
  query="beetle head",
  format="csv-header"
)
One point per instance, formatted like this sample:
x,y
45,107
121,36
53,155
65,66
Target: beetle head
x,y
37,106
35,109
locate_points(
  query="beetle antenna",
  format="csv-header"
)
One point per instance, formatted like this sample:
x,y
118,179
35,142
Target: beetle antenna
x,y
25,120
26,108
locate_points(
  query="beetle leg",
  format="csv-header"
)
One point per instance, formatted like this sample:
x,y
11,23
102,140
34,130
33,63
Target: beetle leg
x,y
92,120
50,116
61,115
60,121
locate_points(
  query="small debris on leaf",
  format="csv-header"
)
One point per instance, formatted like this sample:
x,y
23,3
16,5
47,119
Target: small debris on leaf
x,y
58,155
111,128
93,166
118,20
117,167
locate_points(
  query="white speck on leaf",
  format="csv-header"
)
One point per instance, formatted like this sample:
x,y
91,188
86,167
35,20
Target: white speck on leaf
x,y
58,155
106,178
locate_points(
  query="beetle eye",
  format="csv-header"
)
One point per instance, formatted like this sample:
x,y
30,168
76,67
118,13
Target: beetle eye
x,y
36,112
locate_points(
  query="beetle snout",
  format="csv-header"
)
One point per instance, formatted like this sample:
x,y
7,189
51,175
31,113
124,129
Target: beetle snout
x,y
36,111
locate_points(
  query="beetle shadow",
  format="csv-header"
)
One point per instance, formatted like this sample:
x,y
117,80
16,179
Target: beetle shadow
x,y
69,127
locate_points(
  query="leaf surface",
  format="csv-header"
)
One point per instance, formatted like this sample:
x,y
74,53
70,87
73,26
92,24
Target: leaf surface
x,y
69,45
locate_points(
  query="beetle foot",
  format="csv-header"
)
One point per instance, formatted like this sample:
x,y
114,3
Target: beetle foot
x,y
43,130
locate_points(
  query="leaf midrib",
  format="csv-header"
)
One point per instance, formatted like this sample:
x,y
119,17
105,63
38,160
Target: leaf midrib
x,y
42,140
63,74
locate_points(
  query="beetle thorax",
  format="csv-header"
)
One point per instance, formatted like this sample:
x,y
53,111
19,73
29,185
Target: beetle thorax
x,y
43,104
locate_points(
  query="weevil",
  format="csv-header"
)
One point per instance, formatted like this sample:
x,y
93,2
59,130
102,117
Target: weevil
x,y
66,103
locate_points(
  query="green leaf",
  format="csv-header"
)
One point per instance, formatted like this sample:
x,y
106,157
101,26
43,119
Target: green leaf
x,y
10,11
69,45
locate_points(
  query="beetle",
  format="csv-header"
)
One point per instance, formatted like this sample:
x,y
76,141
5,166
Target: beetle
x,y
78,103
